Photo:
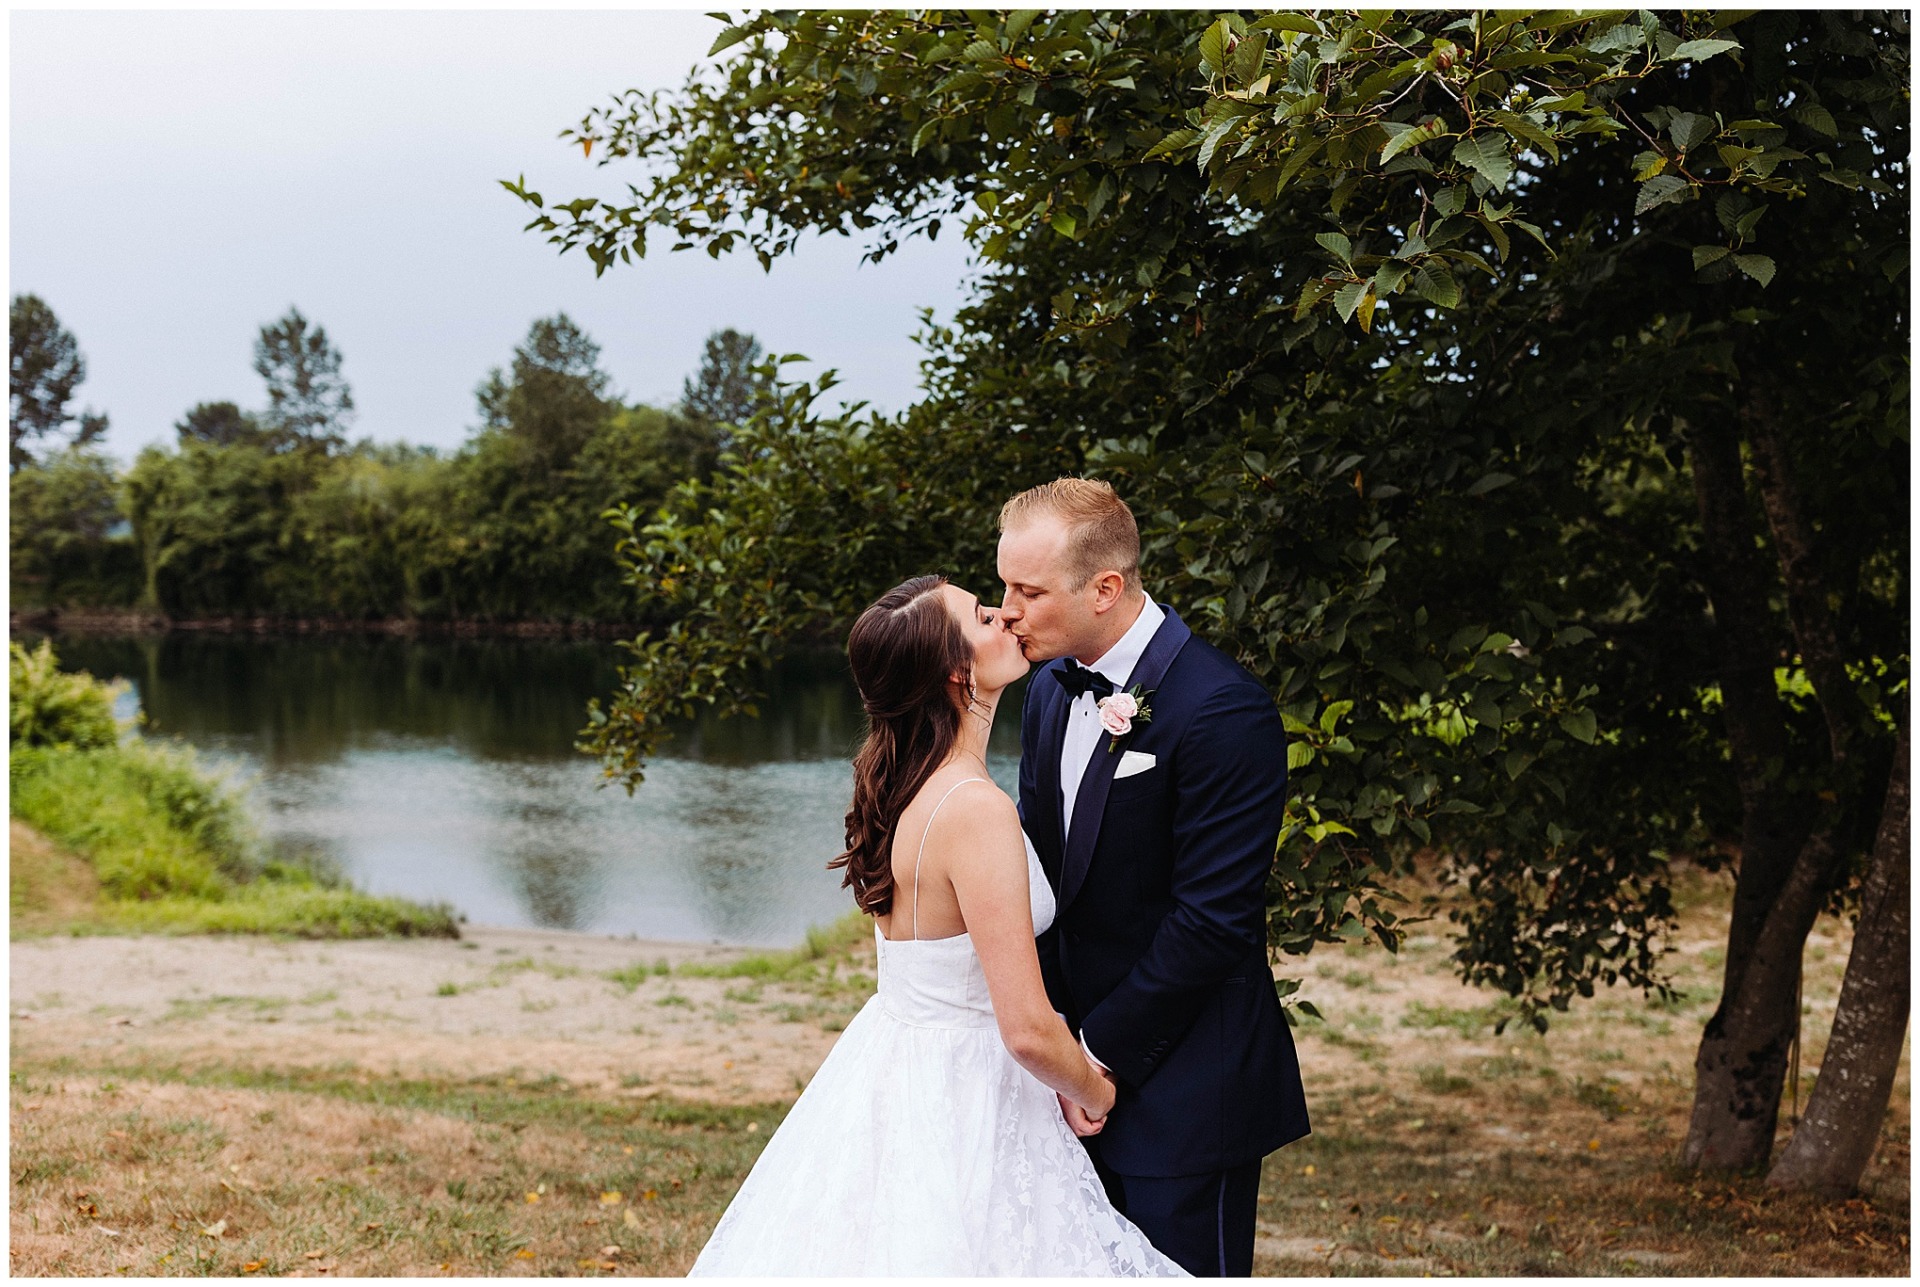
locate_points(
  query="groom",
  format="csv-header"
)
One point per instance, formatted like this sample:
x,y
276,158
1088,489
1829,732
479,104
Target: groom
x,y
1157,833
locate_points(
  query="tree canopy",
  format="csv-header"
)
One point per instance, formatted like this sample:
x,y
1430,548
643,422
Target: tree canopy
x,y
308,400
726,386
46,369
1480,380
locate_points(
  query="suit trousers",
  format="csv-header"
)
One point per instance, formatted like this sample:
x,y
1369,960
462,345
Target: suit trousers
x,y
1202,1222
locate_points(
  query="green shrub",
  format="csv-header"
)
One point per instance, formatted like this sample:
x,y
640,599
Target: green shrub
x,y
46,707
150,824
174,852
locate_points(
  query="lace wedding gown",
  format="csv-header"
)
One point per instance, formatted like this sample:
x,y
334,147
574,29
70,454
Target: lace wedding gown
x,y
922,1149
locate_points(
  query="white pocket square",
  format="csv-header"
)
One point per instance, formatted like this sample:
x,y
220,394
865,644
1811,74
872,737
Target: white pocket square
x,y
1132,762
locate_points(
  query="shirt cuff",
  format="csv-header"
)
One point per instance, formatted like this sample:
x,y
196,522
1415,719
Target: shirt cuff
x,y
1092,1058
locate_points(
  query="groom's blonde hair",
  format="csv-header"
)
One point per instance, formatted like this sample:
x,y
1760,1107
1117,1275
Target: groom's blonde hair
x,y
1101,533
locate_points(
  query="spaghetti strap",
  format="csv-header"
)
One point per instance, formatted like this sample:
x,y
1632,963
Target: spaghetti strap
x,y
923,850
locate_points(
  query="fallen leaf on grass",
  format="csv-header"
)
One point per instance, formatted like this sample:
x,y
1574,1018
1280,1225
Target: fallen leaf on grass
x,y
609,1251
111,1233
372,1225
315,1255
650,1194
523,1254
532,1198
252,1266
629,1219
215,1229
612,1198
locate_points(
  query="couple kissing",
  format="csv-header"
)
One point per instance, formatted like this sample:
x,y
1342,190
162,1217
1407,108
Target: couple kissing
x,y
1075,1060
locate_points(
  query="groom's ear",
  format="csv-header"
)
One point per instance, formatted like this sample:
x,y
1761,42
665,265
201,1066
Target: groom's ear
x,y
1108,589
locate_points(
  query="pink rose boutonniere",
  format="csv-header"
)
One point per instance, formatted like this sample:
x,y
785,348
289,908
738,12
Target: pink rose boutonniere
x,y
1119,712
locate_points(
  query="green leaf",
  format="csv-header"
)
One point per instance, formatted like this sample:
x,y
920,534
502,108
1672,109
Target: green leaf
x,y
1213,47
1522,127
1331,716
1816,118
1659,190
1700,50
1581,726
1336,245
1018,21
1210,141
1704,255
1172,142
1487,156
1347,298
1435,284
1689,129
728,39
1287,22
1406,136
1758,267
1489,482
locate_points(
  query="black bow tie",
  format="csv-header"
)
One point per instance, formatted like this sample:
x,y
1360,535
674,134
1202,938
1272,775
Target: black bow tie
x,y
1077,679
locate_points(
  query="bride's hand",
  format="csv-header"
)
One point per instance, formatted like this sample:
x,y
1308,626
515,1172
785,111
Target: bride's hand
x,y
1088,1116
1078,1121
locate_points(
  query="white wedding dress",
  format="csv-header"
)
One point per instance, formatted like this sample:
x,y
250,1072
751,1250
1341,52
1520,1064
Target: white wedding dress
x,y
921,1149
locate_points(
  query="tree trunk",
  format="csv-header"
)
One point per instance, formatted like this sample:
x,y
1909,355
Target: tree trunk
x,y
1743,1052
1814,631
1830,1149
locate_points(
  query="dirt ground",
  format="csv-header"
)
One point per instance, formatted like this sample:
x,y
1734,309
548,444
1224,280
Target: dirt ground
x,y
523,1102
499,1001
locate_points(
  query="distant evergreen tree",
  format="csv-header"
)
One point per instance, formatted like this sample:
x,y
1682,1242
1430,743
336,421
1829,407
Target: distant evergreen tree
x,y
47,368
725,387
221,424
555,397
308,403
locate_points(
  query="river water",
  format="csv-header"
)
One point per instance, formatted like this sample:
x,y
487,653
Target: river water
x,y
443,770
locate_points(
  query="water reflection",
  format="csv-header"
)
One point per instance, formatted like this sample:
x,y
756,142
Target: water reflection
x,y
444,769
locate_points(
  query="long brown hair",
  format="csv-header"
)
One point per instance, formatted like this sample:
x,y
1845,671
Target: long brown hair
x,y
904,652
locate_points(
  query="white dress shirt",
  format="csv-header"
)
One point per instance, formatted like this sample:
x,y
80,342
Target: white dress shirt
x,y
1083,724
1083,717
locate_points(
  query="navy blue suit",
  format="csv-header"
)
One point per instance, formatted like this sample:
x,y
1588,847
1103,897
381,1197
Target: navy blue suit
x,y
1157,954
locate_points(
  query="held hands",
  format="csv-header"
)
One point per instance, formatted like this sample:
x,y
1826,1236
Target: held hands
x,y
1091,1118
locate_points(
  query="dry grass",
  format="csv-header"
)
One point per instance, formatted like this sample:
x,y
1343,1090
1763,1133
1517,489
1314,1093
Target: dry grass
x,y
156,1172
49,889
1439,1147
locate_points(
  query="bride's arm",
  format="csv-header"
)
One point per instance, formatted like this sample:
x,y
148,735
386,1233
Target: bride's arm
x,y
989,875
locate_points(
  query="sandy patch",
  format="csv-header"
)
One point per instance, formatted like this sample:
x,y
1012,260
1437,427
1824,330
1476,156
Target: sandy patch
x,y
500,1001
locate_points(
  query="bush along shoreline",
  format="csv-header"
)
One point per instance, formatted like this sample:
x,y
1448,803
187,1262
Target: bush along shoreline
x,y
167,841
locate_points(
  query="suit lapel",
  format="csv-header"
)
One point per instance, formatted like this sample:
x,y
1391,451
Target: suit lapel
x,y
1090,805
1053,734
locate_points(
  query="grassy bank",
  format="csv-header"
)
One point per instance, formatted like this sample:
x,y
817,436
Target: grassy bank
x,y
122,834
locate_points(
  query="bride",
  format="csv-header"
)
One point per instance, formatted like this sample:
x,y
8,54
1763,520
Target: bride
x,y
931,1142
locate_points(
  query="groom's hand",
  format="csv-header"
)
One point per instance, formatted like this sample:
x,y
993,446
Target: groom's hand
x,y
1078,1121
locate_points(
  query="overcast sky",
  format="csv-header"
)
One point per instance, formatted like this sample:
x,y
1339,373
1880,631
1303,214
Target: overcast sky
x,y
179,179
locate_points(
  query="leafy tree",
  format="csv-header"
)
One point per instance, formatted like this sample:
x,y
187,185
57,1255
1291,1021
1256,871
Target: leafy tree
x,y
218,423
725,387
556,397
308,401
1444,357
47,368
67,546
